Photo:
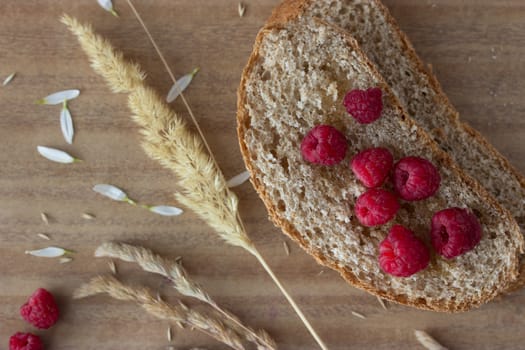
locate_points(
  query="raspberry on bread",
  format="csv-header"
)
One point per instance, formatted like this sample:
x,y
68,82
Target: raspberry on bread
x,y
279,103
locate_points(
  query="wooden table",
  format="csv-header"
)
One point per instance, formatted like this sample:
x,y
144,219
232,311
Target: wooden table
x,y
475,46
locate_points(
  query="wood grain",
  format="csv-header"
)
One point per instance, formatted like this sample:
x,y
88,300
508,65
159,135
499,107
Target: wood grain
x,y
475,46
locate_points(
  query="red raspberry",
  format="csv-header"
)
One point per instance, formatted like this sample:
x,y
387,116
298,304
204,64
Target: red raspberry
x,y
372,166
415,178
401,253
324,145
364,105
40,310
376,207
25,341
455,231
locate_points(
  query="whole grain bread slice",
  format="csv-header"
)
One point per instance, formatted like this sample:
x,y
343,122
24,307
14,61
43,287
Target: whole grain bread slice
x,y
421,95
296,78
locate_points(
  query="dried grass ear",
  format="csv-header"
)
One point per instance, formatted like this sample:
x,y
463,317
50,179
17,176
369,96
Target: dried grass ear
x,y
168,139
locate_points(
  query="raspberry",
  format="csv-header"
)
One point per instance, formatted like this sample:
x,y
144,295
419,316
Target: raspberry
x,y
364,105
324,145
25,341
455,231
415,178
376,207
401,253
372,166
40,310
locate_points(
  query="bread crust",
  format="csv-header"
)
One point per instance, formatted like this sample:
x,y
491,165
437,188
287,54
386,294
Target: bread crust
x,y
453,117
285,12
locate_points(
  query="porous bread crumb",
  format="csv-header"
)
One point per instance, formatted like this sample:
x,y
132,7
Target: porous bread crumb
x,y
303,59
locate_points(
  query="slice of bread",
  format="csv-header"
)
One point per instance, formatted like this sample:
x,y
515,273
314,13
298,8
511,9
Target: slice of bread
x,y
421,95
296,78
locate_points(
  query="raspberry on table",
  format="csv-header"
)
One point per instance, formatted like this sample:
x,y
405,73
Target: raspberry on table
x,y
376,207
324,145
25,341
40,310
415,178
455,231
402,254
372,166
364,105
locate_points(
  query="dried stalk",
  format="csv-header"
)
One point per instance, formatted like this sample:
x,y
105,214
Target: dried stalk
x,y
178,276
160,309
168,139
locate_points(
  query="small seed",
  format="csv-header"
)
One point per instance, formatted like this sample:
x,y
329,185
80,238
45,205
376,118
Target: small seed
x,y
427,341
320,273
170,337
382,303
44,218
65,260
88,216
357,314
112,267
286,248
44,236
242,9
8,79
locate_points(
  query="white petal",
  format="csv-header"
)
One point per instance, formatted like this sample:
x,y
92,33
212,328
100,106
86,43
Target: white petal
x,y
108,6
66,124
238,179
49,252
111,191
180,86
59,97
55,155
166,210
8,79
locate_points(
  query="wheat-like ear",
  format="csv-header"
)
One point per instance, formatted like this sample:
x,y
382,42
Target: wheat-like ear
x,y
182,282
168,139
160,309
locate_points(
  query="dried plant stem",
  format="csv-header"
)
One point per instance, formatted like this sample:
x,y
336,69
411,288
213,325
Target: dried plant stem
x,y
168,139
178,276
160,309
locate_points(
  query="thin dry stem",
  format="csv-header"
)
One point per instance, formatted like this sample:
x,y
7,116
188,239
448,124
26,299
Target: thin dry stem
x,y
168,139
181,313
175,272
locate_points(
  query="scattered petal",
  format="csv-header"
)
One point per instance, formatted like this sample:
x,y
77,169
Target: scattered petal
x,y
8,79
44,236
165,210
44,218
66,124
238,180
180,86
49,252
88,216
56,155
112,192
357,314
241,8
59,97
112,267
427,341
65,260
108,6
170,336
286,248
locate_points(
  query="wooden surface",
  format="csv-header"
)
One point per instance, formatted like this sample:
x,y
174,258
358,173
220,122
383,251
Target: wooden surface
x,y
475,46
